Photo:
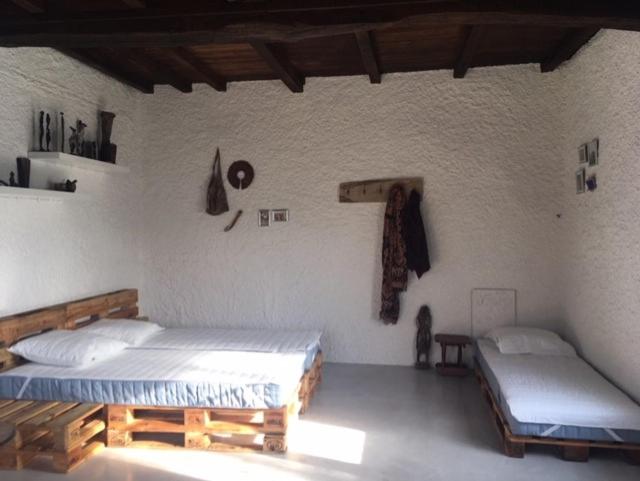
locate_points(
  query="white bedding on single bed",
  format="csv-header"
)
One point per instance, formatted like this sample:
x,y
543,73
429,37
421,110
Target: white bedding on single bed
x,y
559,390
219,339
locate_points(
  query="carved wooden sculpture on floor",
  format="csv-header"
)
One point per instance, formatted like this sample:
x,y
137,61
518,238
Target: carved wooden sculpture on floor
x,y
423,338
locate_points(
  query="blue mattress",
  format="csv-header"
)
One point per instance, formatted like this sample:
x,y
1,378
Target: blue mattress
x,y
548,430
171,378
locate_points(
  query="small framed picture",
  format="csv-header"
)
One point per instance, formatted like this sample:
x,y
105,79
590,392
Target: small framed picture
x,y
580,179
280,215
583,156
264,220
593,153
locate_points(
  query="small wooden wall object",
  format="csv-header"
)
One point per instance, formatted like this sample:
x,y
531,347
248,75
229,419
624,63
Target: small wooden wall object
x,y
376,190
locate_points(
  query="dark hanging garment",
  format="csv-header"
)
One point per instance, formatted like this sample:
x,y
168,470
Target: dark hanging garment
x,y
415,237
216,196
394,256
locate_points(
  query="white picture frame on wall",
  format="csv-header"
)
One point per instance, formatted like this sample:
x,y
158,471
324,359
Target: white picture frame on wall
x,y
580,181
593,152
583,155
280,215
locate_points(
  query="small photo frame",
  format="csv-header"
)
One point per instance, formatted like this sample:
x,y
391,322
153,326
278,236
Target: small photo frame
x,y
580,181
593,152
280,215
264,220
583,155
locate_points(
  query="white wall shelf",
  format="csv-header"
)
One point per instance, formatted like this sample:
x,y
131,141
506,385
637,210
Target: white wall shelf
x,y
75,161
38,194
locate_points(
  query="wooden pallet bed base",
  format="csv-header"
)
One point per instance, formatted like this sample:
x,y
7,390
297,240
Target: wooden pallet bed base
x,y
66,433
310,383
570,449
211,429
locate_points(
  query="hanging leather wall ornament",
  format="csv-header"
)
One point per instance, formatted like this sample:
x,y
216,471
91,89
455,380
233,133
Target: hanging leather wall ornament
x,y
216,196
240,174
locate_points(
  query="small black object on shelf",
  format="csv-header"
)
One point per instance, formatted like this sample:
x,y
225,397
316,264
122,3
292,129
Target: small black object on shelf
x,y
41,130
66,186
24,171
48,138
108,151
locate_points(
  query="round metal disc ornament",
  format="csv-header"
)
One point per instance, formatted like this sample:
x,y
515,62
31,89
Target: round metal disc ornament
x,y
240,174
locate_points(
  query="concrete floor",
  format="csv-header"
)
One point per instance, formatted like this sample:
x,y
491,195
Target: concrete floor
x,y
366,423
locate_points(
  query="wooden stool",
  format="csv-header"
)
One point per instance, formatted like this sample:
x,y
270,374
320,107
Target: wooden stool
x,y
452,369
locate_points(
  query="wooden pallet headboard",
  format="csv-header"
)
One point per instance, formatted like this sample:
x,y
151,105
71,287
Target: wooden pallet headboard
x,y
70,315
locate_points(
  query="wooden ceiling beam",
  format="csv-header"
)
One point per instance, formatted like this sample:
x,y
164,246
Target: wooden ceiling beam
x,y
474,35
280,66
135,3
280,21
31,6
567,48
212,78
89,59
365,44
160,70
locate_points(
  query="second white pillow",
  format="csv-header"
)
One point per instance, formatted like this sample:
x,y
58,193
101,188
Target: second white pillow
x,y
130,331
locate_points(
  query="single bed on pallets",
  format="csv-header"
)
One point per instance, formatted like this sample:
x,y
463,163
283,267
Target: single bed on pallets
x,y
541,380
69,431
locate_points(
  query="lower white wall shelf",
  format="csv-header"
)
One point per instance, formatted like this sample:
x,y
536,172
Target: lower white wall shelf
x,y
69,160
38,194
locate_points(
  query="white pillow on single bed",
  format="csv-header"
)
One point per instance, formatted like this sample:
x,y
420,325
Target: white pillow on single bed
x,y
529,340
130,331
67,348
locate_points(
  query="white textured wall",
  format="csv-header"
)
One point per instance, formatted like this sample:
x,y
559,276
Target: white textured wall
x,y
49,251
486,147
601,230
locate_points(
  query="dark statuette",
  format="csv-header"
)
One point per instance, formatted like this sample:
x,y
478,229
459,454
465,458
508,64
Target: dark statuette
x,y
108,150
41,130
76,139
66,186
48,131
24,171
12,181
423,338
61,131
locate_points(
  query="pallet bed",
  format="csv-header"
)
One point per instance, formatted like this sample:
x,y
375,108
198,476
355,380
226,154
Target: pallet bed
x,y
69,433
570,449
66,433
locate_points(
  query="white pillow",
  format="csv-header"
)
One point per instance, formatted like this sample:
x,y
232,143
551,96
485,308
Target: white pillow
x,y
529,340
130,331
67,348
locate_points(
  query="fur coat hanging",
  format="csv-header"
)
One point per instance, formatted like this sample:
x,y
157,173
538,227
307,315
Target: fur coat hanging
x,y
394,255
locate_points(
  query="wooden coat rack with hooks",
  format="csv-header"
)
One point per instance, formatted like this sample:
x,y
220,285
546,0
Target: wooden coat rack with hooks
x,y
376,190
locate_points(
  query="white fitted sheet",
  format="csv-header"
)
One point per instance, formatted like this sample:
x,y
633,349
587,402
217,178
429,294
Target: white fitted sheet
x,y
177,378
559,390
221,339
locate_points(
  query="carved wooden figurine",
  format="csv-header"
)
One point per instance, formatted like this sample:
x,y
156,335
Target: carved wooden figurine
x,y
423,338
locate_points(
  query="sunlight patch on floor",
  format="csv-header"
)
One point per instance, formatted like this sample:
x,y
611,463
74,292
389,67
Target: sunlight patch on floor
x,y
327,441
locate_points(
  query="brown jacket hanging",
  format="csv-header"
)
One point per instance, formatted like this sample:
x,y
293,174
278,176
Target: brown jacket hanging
x,y
216,196
394,255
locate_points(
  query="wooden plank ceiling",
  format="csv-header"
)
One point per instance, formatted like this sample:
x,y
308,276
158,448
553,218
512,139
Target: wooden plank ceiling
x,y
148,42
